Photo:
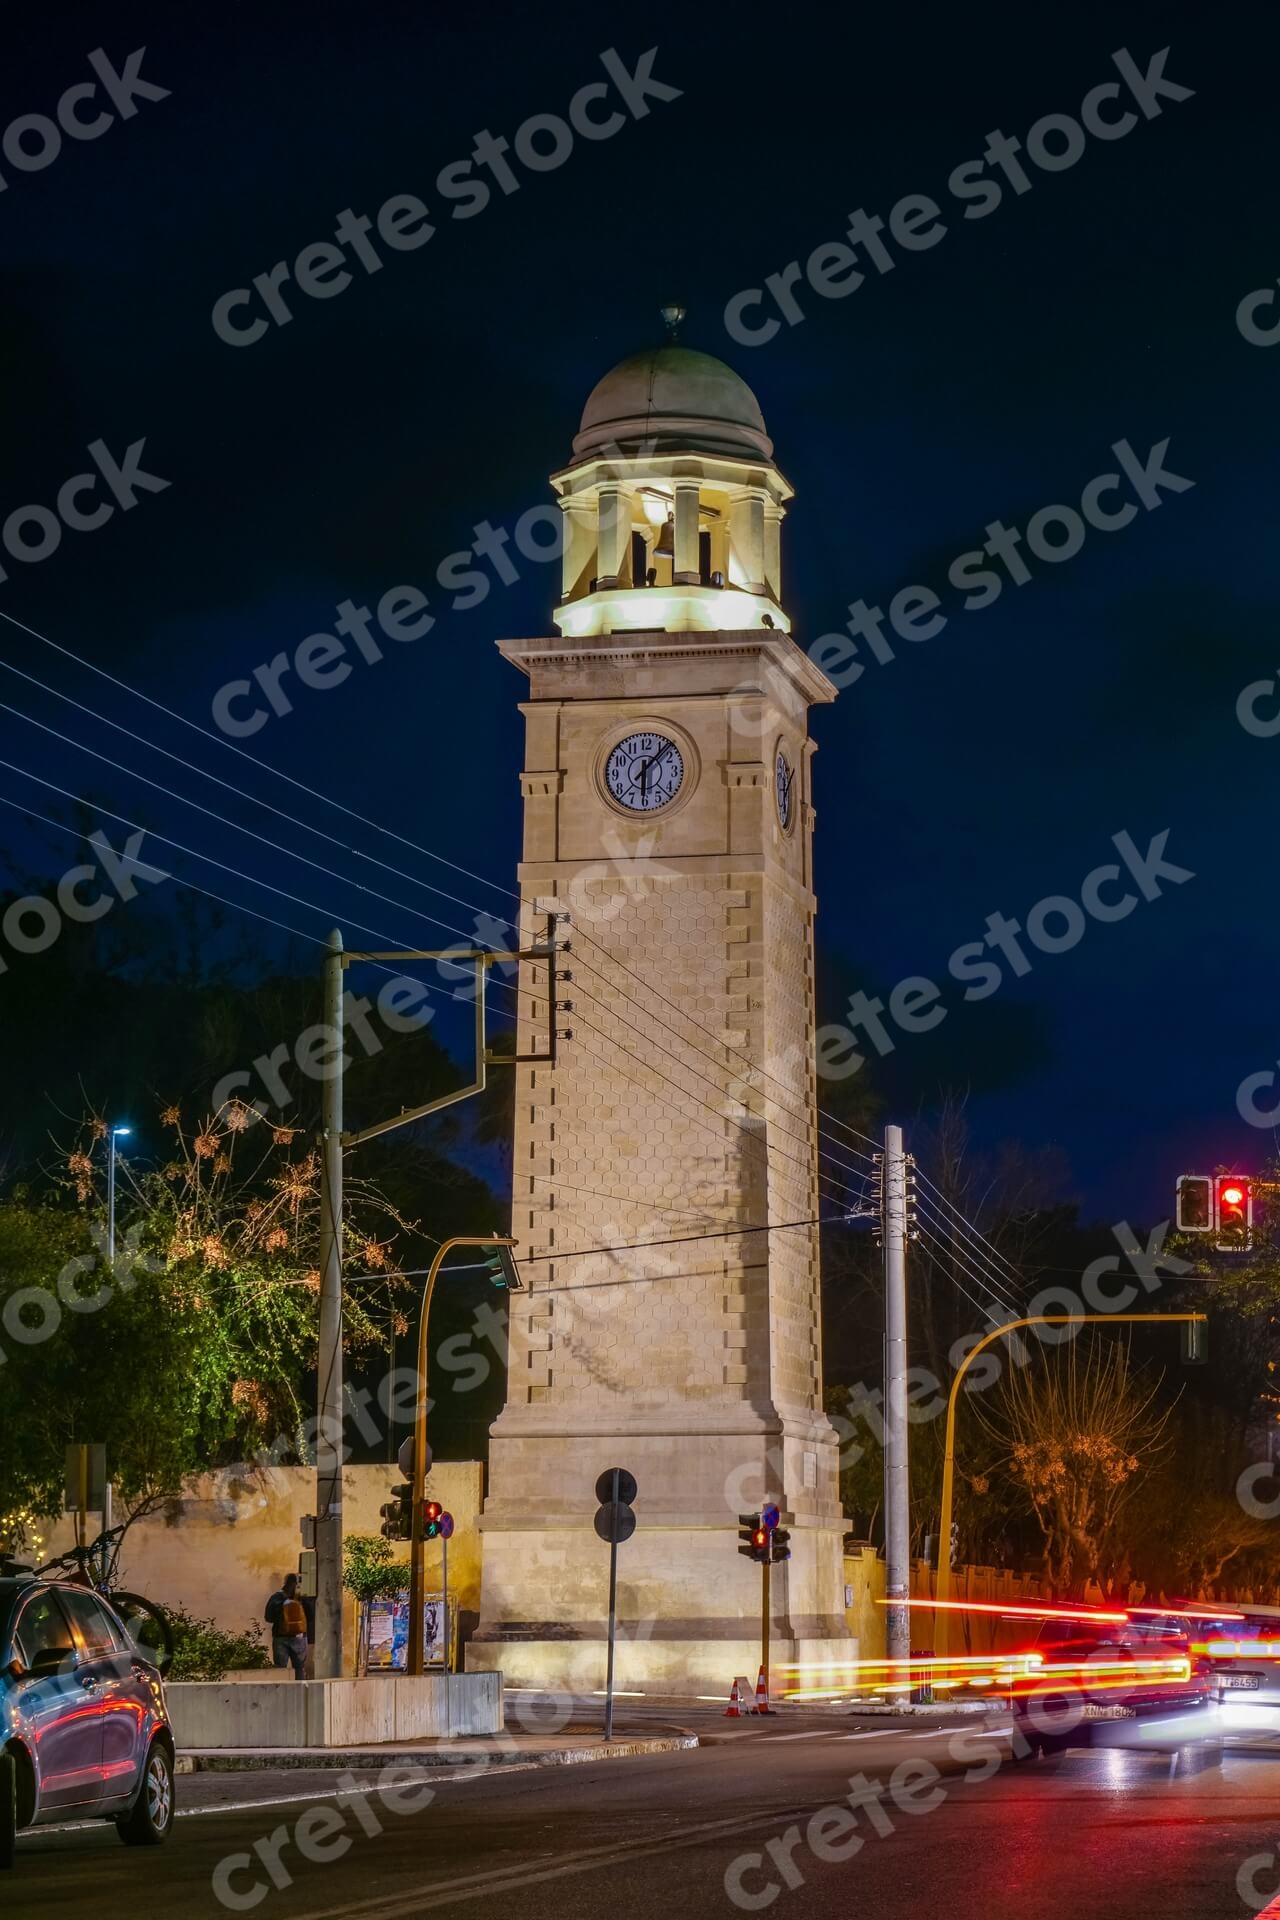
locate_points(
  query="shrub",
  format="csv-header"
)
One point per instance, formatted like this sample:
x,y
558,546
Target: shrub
x,y
204,1651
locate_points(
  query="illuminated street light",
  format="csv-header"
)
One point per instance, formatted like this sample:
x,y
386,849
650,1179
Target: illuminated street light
x,y
114,1134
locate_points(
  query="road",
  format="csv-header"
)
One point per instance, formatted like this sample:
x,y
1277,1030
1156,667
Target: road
x,y
1115,1835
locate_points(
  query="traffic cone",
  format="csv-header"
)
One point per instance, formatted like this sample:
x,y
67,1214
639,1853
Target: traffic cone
x,y
734,1710
762,1692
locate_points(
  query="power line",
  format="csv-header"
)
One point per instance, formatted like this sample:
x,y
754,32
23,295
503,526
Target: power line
x,y
254,799
969,1227
634,1246
241,752
222,865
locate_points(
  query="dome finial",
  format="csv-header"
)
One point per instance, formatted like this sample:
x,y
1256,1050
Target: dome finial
x,y
672,316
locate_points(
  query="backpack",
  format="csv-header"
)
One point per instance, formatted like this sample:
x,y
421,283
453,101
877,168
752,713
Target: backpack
x,y
293,1620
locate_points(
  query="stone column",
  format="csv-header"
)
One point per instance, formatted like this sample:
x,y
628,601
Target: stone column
x,y
578,561
746,540
614,524
773,550
685,571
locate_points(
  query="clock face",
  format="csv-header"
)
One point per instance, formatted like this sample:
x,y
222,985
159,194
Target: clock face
x,y
784,782
644,772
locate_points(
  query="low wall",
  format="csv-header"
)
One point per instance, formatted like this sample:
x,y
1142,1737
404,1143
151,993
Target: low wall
x,y
334,1713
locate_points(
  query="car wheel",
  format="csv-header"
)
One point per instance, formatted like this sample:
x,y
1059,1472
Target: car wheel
x,y
151,1816
8,1809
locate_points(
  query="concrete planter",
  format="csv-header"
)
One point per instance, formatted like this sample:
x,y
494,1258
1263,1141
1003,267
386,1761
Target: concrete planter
x,y
334,1713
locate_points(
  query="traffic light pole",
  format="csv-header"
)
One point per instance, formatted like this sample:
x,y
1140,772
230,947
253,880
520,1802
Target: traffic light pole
x,y
415,1655
942,1589
897,1492
764,1620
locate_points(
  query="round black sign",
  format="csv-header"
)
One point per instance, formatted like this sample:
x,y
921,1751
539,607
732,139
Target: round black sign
x,y
615,1522
626,1485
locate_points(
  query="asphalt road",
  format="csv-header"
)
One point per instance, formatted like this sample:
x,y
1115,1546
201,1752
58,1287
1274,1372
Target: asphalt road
x,y
1114,1835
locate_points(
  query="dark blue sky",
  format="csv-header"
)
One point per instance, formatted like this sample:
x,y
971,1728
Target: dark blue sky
x,y
353,449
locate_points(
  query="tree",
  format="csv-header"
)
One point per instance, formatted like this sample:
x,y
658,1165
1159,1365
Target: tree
x,y
195,1349
1079,1434
370,1572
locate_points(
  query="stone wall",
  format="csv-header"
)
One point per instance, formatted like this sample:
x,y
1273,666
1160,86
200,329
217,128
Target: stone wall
x,y
223,1547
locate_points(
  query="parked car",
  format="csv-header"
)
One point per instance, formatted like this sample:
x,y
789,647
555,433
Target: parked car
x,y
84,1733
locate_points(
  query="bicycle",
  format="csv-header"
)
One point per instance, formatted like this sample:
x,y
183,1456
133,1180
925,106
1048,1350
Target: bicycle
x,y
146,1624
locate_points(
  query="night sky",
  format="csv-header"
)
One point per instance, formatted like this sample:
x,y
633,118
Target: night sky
x,y
353,449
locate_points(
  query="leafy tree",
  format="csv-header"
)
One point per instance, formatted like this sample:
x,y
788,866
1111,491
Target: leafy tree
x,y
370,1572
196,1347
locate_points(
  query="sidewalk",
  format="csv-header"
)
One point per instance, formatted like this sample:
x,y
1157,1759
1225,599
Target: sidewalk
x,y
575,1746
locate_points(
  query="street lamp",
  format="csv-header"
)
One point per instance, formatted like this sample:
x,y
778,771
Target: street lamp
x,y
113,1134
942,1582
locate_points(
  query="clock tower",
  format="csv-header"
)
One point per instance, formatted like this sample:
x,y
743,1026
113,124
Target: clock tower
x,y
665,1170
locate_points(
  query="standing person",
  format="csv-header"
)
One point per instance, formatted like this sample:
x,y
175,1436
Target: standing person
x,y
287,1618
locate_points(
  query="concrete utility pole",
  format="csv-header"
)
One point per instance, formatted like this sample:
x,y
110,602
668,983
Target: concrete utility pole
x,y
329,1391
329,1449
897,1502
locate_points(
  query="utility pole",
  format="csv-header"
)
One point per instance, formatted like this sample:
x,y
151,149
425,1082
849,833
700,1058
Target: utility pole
x,y
329,1395
329,1447
897,1501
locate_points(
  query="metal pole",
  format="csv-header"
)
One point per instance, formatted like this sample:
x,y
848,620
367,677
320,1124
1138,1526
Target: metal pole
x,y
414,1662
111,1198
897,1495
942,1590
444,1581
329,1449
613,1612
764,1618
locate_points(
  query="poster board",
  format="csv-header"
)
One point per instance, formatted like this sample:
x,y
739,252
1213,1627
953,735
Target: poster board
x,y
388,1633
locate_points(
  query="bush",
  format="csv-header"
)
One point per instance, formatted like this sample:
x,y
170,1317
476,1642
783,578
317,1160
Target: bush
x,y
203,1651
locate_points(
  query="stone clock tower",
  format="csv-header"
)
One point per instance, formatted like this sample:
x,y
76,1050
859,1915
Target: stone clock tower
x,y
668,815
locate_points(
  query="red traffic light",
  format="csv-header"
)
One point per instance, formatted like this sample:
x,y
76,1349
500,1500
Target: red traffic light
x,y
1234,1197
431,1512
760,1537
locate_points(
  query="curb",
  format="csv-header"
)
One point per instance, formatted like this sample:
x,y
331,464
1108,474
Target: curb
x,y
266,1760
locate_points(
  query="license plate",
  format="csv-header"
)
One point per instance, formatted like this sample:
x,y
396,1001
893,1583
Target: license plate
x,y
1240,1682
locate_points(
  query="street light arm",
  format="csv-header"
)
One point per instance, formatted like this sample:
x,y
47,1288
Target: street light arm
x,y
942,1586
415,1657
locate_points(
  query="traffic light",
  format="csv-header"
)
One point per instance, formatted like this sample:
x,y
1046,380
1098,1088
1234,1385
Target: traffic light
x,y
432,1513
1194,1203
753,1537
503,1271
397,1515
1195,1343
780,1545
1234,1212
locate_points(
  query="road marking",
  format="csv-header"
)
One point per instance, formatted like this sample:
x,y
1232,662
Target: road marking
x,y
818,1733
277,1800
476,1885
